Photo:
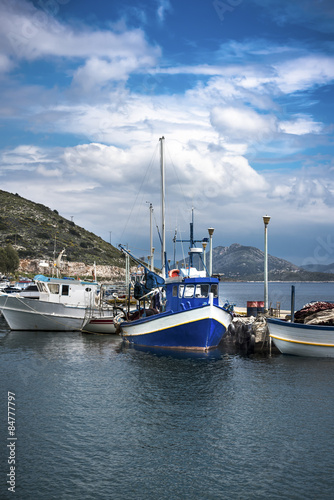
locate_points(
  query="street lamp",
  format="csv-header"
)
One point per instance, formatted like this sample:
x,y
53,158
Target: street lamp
x,y
211,230
204,244
266,220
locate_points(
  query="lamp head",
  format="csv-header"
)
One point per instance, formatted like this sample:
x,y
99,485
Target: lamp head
x,y
266,220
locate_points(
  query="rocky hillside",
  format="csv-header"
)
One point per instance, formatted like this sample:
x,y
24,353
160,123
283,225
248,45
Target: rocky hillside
x,y
37,232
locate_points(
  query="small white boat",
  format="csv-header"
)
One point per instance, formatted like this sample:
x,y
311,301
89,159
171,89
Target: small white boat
x,y
302,339
102,319
100,324
62,305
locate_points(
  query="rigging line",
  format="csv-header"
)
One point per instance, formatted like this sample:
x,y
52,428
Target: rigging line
x,y
175,171
185,199
182,247
140,188
157,227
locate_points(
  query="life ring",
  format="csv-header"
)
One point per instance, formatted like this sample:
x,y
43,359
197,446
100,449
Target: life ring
x,y
173,273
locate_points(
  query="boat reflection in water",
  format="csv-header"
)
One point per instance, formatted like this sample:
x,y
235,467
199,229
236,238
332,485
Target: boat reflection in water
x,y
212,354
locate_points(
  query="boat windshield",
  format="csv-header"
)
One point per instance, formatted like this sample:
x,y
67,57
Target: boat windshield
x,y
189,291
54,288
42,287
202,291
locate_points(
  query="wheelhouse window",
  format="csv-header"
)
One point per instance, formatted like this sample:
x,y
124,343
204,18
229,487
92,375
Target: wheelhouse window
x,y
42,287
54,288
214,290
181,288
202,291
174,291
65,290
189,291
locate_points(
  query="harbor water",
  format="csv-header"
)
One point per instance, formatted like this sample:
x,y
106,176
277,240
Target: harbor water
x,y
305,292
95,419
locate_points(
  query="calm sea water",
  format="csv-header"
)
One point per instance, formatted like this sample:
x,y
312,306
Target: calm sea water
x,y
96,420
240,293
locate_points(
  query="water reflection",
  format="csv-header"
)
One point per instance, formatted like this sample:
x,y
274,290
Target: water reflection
x,y
212,354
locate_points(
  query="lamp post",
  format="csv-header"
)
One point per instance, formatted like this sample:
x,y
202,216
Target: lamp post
x,y
204,244
211,230
266,220
151,238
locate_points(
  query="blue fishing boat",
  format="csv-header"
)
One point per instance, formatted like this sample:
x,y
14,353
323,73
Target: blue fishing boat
x,y
178,310
190,319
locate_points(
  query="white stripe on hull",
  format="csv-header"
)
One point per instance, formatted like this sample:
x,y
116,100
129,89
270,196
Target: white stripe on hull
x,y
158,323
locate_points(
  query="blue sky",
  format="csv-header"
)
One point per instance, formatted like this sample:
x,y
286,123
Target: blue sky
x,y
242,91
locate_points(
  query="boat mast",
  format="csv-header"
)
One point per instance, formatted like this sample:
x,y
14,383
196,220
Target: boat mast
x,y
163,230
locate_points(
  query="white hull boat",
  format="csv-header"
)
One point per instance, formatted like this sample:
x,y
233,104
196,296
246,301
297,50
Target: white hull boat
x,y
302,339
63,305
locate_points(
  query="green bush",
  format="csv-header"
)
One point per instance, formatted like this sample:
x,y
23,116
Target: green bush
x,y
9,260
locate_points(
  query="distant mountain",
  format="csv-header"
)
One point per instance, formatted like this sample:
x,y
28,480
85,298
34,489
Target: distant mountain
x,y
245,263
322,268
37,232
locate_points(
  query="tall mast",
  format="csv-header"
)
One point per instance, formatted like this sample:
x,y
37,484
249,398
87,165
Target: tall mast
x,y
163,230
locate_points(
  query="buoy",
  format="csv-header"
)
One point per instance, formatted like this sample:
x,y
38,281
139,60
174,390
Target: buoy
x,y
173,273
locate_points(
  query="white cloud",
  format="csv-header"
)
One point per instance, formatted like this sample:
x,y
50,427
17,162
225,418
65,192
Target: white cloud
x,y
31,34
304,73
243,123
24,157
5,64
301,125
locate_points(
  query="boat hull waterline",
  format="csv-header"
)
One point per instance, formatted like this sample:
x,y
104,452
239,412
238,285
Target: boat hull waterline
x,y
301,339
197,329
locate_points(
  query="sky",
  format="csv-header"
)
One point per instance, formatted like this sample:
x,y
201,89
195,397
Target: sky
x,y
242,91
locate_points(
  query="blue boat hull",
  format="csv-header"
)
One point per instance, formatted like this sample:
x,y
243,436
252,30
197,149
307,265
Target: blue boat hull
x,y
202,328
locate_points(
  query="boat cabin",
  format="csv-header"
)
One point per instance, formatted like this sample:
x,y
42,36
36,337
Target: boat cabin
x,y
184,293
67,291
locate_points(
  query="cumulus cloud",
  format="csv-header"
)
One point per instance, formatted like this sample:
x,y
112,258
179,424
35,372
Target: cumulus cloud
x,y
243,123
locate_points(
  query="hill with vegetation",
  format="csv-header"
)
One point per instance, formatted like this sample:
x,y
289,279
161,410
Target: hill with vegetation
x,y
37,232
